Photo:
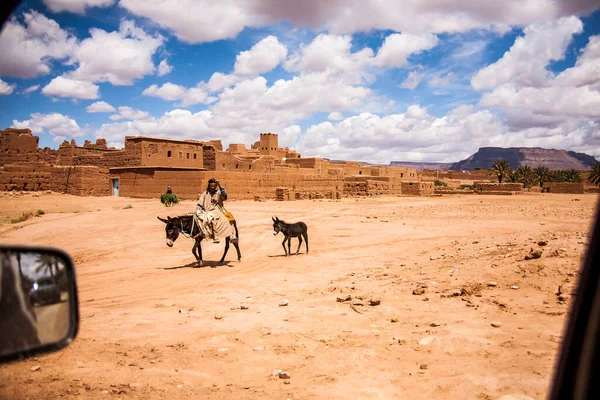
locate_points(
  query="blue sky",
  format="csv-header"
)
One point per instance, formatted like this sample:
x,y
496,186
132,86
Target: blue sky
x,y
360,80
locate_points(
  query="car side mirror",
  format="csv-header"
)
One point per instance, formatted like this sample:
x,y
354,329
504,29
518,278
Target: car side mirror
x,y
39,311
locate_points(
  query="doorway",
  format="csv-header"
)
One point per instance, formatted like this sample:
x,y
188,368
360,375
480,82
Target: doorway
x,y
115,185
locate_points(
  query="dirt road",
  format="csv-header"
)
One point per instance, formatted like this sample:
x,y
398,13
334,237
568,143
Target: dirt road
x,y
153,327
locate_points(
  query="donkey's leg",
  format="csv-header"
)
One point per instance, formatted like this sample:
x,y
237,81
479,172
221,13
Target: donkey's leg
x,y
283,244
289,245
305,234
299,243
226,250
237,248
195,253
198,247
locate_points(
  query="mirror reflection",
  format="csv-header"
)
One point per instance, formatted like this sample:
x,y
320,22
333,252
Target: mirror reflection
x,y
34,300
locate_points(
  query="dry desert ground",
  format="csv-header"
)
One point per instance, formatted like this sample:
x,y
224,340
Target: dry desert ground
x,y
445,269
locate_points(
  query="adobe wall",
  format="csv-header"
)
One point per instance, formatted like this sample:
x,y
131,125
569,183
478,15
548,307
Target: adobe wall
x,y
225,161
172,153
75,180
564,187
417,188
494,188
18,145
188,184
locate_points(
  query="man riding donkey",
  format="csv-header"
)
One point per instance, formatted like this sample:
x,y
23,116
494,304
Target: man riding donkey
x,y
213,214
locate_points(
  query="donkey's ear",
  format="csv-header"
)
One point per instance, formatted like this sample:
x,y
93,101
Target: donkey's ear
x,y
273,218
163,220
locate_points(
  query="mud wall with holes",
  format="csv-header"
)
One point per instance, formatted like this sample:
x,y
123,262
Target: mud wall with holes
x,y
417,188
75,180
564,187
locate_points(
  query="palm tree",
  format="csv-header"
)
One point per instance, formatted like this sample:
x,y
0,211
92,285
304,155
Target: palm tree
x,y
49,263
500,168
512,177
573,175
558,176
525,176
594,175
542,174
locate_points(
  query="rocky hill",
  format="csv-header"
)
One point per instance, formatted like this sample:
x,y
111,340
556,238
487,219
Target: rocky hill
x,y
421,165
532,156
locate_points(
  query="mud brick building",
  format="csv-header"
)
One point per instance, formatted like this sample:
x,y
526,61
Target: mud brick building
x,y
145,166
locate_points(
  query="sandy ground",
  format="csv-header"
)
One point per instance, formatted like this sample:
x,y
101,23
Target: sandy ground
x,y
154,327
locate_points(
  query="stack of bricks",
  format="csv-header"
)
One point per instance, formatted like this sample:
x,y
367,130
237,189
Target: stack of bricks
x,y
282,194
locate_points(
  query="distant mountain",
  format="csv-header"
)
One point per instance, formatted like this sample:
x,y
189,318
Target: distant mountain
x,y
420,166
531,156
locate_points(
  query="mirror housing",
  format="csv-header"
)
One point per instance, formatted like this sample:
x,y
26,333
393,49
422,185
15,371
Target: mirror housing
x,y
39,309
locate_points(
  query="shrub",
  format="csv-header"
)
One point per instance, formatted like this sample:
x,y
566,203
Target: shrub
x,y
438,182
467,187
168,199
127,207
24,217
39,212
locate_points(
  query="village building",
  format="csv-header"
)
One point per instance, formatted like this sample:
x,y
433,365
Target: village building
x,y
145,166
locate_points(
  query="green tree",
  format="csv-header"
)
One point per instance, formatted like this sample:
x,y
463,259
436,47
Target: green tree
x,y
500,168
542,174
594,175
573,175
558,176
526,176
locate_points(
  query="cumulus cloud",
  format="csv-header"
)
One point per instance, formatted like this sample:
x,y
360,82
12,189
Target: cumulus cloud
x,y
412,80
29,49
416,135
525,62
335,116
126,112
164,68
193,20
56,124
171,92
116,57
262,57
6,89
219,81
71,88
76,6
530,95
100,107
330,53
397,47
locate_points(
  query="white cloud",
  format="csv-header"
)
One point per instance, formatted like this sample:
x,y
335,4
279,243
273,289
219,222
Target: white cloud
x,y
581,102
6,89
171,92
219,81
100,107
56,124
397,47
116,57
71,88
76,6
525,62
262,57
335,116
126,112
193,20
164,68
412,80
28,50
441,81
30,89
